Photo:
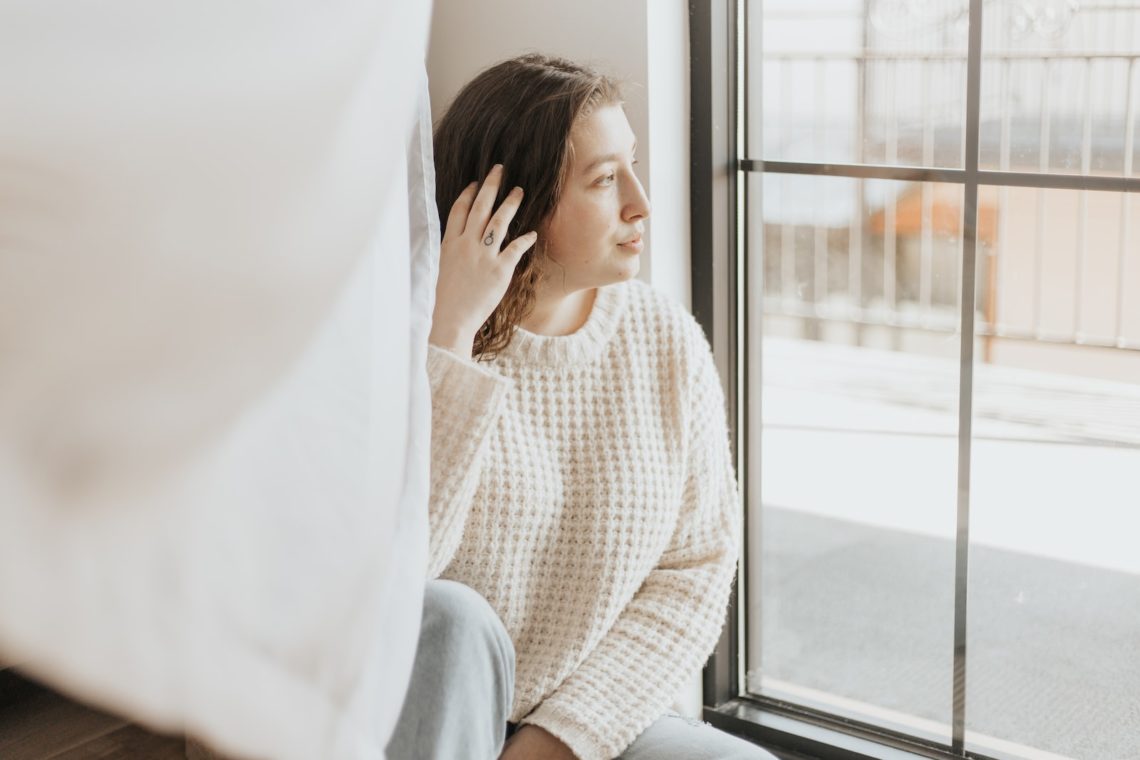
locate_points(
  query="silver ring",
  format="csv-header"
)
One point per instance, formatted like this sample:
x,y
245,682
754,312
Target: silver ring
x,y
490,239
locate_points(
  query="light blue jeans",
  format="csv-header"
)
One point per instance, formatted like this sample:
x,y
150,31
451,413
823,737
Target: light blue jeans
x,y
463,683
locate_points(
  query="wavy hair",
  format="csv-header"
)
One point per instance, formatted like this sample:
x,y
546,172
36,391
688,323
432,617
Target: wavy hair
x,y
518,113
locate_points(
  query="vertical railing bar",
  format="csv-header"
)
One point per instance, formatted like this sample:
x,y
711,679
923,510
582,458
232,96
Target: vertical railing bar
x,y
1122,270
890,256
1083,206
771,125
1006,112
819,255
1125,224
965,129
1043,165
855,254
1003,254
855,270
927,255
966,370
818,121
856,235
891,210
788,275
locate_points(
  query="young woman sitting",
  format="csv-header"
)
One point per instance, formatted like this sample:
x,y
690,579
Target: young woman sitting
x,y
584,511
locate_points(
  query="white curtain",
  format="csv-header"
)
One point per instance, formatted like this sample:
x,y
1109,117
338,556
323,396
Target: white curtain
x,y
217,265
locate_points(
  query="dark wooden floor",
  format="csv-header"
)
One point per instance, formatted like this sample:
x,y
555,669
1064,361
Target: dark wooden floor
x,y
37,723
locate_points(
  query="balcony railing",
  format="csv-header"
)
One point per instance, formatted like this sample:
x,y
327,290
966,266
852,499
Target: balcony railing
x,y
890,258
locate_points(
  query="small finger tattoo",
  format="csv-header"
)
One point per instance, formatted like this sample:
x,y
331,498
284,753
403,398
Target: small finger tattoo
x,y
490,239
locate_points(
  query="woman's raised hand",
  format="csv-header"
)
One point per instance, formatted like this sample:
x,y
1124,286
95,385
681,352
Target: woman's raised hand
x,y
474,268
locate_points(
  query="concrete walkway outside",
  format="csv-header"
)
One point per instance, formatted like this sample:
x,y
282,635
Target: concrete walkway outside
x,y
859,480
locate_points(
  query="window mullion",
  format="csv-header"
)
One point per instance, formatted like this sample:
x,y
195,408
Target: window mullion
x,y
966,381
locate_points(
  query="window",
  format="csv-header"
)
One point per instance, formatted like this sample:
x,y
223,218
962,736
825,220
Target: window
x,y
941,531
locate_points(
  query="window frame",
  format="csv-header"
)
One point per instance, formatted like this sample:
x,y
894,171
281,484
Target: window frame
x,y
721,164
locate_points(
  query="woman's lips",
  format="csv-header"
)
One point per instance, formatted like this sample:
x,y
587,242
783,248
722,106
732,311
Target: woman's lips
x,y
634,245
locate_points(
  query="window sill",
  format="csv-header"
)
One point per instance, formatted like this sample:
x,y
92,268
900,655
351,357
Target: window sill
x,y
800,735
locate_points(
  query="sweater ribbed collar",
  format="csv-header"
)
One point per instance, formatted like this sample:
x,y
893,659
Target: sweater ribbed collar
x,y
579,347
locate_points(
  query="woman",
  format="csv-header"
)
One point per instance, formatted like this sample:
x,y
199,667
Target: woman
x,y
584,514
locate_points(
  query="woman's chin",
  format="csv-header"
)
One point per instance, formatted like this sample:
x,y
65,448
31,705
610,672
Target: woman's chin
x,y
629,269
625,270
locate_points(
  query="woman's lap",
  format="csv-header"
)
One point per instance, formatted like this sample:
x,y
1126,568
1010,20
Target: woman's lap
x,y
674,737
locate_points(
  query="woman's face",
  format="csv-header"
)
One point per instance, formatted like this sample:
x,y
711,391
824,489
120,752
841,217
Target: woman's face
x,y
595,231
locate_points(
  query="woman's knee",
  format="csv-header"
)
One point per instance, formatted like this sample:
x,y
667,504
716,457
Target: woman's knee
x,y
675,737
461,617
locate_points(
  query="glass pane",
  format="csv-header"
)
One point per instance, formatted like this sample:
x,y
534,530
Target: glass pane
x,y
1060,87
1066,264
1054,600
858,384
860,81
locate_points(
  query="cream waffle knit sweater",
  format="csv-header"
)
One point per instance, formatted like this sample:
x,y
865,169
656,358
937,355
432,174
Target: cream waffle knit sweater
x,y
583,485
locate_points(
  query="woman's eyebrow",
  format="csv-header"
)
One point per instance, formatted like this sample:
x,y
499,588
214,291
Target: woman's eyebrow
x,y
599,161
606,159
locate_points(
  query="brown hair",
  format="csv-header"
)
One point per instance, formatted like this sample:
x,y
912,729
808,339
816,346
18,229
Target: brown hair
x,y
517,113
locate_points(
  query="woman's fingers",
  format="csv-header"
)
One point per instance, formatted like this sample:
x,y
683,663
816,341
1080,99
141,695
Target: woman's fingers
x,y
485,201
496,230
460,210
513,252
471,212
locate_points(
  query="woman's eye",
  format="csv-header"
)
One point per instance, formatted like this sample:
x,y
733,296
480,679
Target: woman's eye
x,y
606,180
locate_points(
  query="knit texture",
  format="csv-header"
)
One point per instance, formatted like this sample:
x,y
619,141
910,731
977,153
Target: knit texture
x,y
583,485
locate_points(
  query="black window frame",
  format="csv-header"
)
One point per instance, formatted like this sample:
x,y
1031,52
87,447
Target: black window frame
x,y
720,163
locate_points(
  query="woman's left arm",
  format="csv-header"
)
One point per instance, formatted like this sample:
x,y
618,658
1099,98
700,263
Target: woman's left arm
x,y
668,629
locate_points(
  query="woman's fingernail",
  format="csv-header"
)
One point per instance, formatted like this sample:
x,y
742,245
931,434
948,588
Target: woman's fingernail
x,y
517,190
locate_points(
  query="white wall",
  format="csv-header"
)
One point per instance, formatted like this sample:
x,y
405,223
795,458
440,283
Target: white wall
x,y
642,43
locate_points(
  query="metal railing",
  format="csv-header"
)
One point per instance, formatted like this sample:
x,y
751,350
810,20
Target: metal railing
x,y
1020,154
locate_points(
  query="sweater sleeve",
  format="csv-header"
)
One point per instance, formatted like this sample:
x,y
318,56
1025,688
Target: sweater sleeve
x,y
668,629
466,401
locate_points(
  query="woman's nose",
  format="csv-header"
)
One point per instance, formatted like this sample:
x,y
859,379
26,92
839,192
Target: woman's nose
x,y
637,207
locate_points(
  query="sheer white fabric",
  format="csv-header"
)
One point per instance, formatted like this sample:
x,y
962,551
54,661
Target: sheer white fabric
x,y
214,411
